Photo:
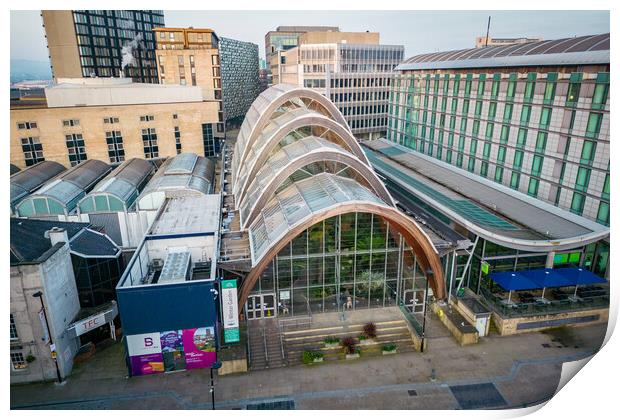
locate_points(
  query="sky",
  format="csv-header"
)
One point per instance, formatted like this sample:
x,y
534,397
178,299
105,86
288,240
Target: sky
x,y
419,31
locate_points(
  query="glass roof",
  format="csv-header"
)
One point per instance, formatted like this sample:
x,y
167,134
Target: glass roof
x,y
293,205
87,173
33,177
125,180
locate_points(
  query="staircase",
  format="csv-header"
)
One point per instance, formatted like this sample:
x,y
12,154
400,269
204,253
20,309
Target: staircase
x,y
297,340
265,344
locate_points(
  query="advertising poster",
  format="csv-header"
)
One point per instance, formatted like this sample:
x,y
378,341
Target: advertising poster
x,y
145,353
172,350
230,311
199,346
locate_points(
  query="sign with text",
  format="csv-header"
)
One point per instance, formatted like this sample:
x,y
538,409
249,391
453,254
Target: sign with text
x,y
145,353
199,346
88,324
230,311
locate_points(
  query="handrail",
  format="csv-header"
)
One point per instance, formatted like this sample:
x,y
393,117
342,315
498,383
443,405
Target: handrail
x,y
247,342
265,344
281,342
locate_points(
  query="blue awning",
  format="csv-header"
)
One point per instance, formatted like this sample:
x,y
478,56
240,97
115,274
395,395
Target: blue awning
x,y
545,277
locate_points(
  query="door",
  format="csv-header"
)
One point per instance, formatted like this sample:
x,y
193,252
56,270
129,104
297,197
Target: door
x,y
268,305
253,307
414,300
261,306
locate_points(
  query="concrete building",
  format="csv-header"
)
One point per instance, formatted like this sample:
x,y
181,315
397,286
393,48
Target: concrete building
x,y
282,39
102,43
350,68
111,120
240,83
483,41
532,117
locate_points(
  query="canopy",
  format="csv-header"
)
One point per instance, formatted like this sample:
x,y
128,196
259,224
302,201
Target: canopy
x,y
545,277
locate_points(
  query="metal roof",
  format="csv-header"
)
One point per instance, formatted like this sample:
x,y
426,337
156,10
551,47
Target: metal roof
x,y
590,49
14,169
31,178
485,207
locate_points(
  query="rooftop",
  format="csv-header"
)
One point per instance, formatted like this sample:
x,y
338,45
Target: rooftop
x,y
590,49
490,210
26,181
187,215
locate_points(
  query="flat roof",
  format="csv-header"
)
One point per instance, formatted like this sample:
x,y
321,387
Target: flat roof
x,y
188,215
485,207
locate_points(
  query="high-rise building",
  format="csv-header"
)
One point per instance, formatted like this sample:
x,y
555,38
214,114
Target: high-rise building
x,y
102,43
350,68
284,38
483,41
534,117
240,84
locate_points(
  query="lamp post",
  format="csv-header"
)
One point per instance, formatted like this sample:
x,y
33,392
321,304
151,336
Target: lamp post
x,y
39,295
216,365
428,273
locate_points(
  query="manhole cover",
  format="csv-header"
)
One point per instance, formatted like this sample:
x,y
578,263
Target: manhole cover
x,y
475,396
412,392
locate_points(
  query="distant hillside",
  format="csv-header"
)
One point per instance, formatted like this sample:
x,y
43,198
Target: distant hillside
x,y
30,70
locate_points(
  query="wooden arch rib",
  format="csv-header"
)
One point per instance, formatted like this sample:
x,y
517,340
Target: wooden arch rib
x,y
254,166
265,115
318,155
424,250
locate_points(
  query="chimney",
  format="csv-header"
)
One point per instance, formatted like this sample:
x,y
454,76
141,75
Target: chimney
x,y
57,234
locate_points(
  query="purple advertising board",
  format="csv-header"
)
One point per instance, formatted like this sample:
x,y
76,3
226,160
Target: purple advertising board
x,y
199,346
147,364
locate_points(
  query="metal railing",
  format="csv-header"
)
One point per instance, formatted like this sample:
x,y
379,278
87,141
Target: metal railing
x,y
517,310
415,324
265,344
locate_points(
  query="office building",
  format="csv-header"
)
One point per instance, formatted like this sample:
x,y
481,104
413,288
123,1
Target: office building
x,y
532,117
240,84
102,43
282,39
483,41
350,68
111,120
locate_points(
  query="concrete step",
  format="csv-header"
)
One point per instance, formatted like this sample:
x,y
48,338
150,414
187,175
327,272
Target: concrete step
x,y
335,329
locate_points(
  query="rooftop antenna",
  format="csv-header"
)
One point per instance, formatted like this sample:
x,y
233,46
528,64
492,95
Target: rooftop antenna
x,y
486,40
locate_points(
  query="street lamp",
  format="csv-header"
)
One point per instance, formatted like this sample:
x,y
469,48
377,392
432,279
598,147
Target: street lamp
x,y
428,274
215,365
39,295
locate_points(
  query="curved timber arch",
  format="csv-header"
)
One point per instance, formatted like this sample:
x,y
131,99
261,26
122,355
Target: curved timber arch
x,y
250,167
266,104
421,244
318,155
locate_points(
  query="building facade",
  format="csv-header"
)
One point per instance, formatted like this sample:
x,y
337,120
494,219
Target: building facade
x,y
352,69
240,82
112,120
102,43
533,117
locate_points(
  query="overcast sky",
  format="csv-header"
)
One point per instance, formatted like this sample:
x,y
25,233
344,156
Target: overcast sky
x,y
418,31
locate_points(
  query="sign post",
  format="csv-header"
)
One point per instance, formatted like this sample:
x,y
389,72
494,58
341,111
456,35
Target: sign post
x,y
230,311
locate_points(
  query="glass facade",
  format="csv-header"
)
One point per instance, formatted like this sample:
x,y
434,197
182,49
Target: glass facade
x,y
355,259
547,132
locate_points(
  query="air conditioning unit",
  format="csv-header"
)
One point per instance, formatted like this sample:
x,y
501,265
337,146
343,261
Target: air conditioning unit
x,y
158,263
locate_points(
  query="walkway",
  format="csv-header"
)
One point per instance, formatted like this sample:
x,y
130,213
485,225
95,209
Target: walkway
x,y
523,369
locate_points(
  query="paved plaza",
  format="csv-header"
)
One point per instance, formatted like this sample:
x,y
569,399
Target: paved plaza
x,y
499,372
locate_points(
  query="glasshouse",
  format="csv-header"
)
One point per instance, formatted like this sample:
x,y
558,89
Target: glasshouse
x,y
26,181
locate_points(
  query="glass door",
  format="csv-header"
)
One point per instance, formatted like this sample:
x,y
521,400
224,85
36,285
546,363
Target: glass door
x,y
253,307
268,305
414,300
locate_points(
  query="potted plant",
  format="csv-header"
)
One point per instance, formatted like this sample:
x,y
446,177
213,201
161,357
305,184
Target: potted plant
x,y
370,330
30,358
389,348
364,340
350,351
331,342
310,356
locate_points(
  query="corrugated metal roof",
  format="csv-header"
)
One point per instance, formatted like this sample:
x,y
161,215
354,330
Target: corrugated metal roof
x,y
590,49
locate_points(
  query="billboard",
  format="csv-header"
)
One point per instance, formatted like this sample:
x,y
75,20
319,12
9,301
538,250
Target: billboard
x,y
145,354
230,312
199,346
172,350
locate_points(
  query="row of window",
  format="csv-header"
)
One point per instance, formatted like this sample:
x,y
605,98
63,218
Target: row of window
x,y
75,123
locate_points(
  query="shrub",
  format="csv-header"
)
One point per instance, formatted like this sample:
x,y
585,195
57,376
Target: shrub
x,y
309,356
389,347
331,340
362,337
370,330
30,358
348,345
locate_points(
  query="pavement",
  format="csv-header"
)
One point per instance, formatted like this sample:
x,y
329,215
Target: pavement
x,y
498,372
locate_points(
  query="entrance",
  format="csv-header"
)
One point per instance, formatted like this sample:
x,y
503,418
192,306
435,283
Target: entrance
x,y
414,300
261,306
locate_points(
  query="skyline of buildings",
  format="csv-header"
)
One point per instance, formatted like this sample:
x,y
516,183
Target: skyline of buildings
x,y
467,186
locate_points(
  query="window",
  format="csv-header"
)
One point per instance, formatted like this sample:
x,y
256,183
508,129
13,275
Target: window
x,y
499,174
489,132
26,125
492,110
144,118
514,180
572,94
605,193
541,142
209,142
587,153
114,140
603,213
32,149
550,88
177,139
583,179
532,188
545,118
501,154
601,90
149,142
521,137
175,116
17,361
486,150
525,114
70,123
75,148
529,87
518,160
594,125
537,164
503,136
478,109
577,203
14,335
484,169
512,85
110,120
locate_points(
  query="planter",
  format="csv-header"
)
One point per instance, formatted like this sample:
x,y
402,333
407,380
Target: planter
x,y
318,360
367,342
352,356
384,352
332,345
